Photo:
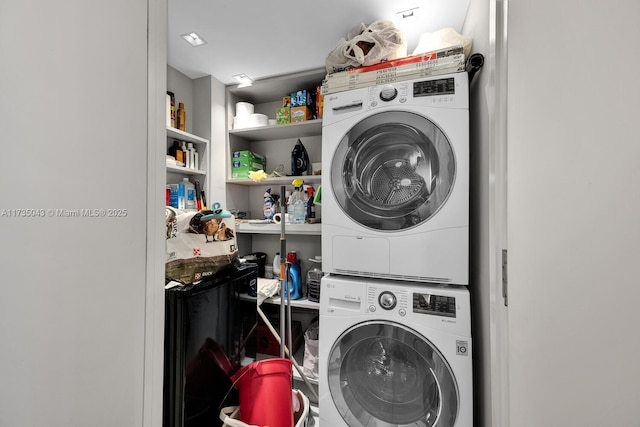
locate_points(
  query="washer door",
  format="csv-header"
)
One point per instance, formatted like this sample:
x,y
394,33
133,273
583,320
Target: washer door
x,y
383,373
393,171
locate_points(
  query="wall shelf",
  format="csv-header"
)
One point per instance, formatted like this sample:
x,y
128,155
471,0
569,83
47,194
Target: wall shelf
x,y
298,229
283,131
185,171
282,180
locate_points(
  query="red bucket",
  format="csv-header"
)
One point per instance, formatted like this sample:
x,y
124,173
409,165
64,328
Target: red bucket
x,y
265,393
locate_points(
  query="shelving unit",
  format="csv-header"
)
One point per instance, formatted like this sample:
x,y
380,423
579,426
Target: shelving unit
x,y
175,174
275,142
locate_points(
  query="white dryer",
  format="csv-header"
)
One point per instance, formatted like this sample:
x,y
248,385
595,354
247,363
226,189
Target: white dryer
x,y
395,191
394,354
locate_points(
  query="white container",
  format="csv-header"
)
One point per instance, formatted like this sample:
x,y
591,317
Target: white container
x,y
244,109
257,120
276,266
186,195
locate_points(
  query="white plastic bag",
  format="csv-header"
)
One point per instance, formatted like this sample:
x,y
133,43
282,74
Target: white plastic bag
x,y
446,37
367,45
230,414
311,351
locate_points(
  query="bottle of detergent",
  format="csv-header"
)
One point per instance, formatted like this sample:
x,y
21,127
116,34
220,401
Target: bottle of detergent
x,y
295,276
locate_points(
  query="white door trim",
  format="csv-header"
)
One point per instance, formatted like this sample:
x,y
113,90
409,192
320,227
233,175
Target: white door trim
x,y
156,181
499,331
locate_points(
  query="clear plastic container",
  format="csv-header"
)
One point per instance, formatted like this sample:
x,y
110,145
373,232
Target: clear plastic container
x,y
186,194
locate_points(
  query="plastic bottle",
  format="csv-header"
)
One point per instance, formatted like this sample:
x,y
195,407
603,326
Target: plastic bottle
x,y
172,109
295,276
186,195
191,151
276,266
311,207
297,207
314,276
181,117
268,207
185,154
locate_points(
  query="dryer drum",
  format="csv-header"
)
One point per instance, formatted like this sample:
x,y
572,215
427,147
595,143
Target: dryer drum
x,y
387,373
396,171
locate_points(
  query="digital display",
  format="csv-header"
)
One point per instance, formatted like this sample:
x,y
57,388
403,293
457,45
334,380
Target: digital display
x,y
434,304
434,87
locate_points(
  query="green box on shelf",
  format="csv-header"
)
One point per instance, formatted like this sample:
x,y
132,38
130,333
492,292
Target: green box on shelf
x,y
243,171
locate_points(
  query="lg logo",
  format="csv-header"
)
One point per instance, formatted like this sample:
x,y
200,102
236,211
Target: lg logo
x,y
462,348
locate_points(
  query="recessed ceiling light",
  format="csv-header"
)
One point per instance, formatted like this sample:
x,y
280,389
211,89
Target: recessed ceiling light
x,y
243,79
194,39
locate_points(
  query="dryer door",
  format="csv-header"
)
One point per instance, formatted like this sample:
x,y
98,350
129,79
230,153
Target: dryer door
x,y
393,171
382,373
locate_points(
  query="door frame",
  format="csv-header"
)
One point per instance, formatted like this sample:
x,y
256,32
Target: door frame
x,y
156,181
498,291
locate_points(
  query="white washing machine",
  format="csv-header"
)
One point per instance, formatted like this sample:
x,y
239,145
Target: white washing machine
x,y
394,354
395,191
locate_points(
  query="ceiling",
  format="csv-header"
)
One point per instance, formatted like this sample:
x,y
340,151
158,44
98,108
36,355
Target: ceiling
x,y
268,38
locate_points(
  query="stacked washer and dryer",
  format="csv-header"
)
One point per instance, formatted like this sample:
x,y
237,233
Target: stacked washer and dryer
x,y
395,322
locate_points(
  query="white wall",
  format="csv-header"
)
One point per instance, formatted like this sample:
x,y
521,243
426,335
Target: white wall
x,y
476,28
75,300
574,206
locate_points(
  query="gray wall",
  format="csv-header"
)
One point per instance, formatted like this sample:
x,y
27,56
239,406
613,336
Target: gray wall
x,y
574,205
74,305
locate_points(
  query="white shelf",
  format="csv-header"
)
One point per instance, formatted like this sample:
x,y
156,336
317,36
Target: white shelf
x,y
185,136
283,131
300,303
298,229
185,171
282,180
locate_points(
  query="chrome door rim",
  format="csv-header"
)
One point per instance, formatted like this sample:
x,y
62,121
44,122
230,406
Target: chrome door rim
x,y
371,386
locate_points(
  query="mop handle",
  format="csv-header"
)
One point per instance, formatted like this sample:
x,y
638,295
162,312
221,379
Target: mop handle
x,y
283,277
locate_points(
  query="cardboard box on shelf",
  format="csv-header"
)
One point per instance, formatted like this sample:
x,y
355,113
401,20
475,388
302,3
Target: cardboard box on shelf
x,y
302,98
300,114
243,172
286,101
319,102
283,115
248,156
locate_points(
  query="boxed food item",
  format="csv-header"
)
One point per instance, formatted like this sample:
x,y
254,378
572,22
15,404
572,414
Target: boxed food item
x,y
319,102
302,98
283,115
300,114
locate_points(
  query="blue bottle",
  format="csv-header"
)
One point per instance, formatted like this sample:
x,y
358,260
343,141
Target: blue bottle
x,y
295,276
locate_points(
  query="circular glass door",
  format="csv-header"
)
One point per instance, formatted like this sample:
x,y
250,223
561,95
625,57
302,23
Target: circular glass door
x,y
393,171
384,373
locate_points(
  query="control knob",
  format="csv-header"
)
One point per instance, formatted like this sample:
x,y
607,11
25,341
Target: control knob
x,y
388,93
387,300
